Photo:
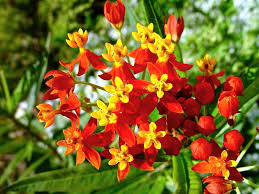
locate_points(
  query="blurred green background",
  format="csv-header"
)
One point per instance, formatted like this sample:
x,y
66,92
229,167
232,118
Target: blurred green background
x,y
32,41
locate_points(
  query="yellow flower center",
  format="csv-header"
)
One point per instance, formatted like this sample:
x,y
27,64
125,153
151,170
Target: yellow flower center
x,y
159,86
206,64
120,156
120,92
106,114
162,47
116,52
151,136
77,39
144,35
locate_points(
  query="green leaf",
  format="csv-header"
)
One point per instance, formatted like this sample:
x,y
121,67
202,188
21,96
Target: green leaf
x,y
30,83
12,165
185,180
154,15
154,115
12,146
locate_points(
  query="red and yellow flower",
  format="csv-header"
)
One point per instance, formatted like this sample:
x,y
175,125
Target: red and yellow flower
x,y
78,39
174,27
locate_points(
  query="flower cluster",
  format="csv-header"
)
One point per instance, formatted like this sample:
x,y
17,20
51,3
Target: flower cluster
x,y
127,113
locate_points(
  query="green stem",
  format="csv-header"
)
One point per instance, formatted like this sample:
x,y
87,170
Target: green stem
x,y
250,183
204,112
6,91
90,84
247,168
123,43
246,148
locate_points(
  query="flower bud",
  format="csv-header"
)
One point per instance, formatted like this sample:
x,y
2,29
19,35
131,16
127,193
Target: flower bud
x,y
206,125
228,104
204,92
174,28
201,149
189,128
191,107
217,184
115,13
233,140
234,84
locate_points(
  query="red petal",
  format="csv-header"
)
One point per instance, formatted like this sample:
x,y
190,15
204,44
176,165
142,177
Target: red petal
x,y
90,127
142,164
234,174
49,96
54,73
71,64
149,104
155,68
93,157
121,174
202,167
150,154
161,124
95,61
171,145
71,103
100,139
106,154
83,65
106,76
125,133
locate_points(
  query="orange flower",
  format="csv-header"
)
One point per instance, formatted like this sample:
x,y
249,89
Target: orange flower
x,y
83,142
174,28
217,184
46,114
78,39
115,13
218,167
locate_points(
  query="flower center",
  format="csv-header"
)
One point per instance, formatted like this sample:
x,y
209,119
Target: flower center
x,y
159,86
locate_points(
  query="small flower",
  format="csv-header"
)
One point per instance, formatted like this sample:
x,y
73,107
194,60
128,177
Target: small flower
x,y
78,39
115,13
233,140
206,64
144,35
46,114
152,136
228,104
159,86
106,113
206,125
189,128
204,92
162,47
201,149
234,84
174,28
115,53
191,107
120,92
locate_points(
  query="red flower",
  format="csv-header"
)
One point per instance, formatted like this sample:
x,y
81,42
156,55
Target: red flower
x,y
228,104
218,185
201,149
84,141
125,156
115,13
60,84
191,107
78,39
234,84
174,28
212,79
233,140
204,92
206,125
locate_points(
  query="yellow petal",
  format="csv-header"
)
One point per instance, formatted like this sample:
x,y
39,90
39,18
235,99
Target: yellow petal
x,y
152,126
122,165
110,89
101,105
118,82
151,27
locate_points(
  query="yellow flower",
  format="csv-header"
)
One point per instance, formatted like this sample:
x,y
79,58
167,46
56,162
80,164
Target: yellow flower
x,y
151,136
106,114
159,86
115,53
120,92
120,156
144,35
206,64
77,39
163,47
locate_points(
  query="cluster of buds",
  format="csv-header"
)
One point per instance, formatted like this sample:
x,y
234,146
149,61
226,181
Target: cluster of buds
x,y
126,113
